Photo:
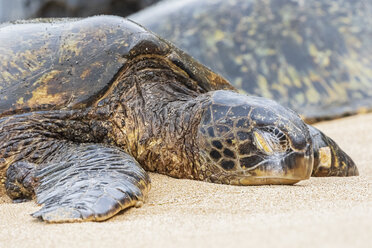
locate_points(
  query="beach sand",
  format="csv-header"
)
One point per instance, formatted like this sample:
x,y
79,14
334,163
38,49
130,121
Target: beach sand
x,y
320,212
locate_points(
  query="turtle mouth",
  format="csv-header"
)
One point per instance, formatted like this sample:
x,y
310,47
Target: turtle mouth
x,y
290,169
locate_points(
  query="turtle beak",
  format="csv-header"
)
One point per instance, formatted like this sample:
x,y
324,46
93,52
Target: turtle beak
x,y
292,168
299,164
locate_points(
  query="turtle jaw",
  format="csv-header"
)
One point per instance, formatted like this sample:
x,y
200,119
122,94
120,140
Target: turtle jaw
x,y
287,170
292,168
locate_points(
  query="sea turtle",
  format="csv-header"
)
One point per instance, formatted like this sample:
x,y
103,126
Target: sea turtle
x,y
312,56
87,105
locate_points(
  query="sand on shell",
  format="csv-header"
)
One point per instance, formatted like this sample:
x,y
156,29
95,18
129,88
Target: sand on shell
x,y
320,212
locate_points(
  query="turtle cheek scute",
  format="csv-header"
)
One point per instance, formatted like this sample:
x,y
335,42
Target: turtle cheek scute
x,y
219,111
215,155
217,144
264,117
225,148
245,148
249,162
227,164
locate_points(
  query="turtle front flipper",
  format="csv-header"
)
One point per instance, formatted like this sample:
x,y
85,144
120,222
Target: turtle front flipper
x,y
89,182
329,159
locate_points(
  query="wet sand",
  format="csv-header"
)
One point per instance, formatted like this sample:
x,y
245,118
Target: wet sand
x,y
320,212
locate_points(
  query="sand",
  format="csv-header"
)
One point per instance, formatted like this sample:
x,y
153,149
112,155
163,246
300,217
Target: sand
x,y
320,212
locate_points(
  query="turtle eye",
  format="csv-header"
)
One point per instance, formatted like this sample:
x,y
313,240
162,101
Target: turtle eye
x,y
271,140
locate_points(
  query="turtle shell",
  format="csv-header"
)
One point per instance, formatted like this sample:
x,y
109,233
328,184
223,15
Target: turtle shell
x,y
312,56
68,63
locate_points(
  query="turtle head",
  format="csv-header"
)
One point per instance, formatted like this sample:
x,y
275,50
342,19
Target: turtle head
x,y
247,140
